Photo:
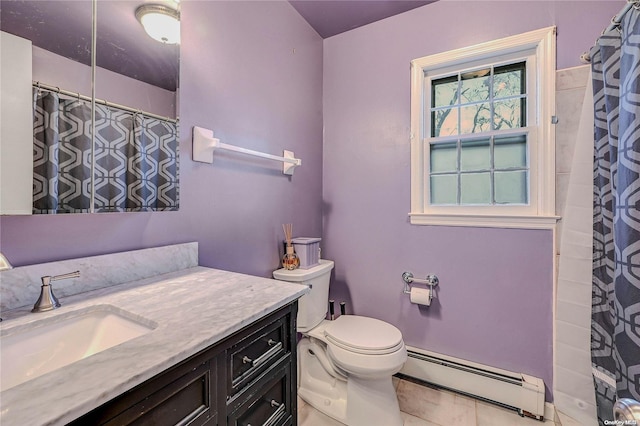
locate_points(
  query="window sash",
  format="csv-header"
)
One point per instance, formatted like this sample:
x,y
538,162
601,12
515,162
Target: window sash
x,y
531,119
529,208
493,170
457,105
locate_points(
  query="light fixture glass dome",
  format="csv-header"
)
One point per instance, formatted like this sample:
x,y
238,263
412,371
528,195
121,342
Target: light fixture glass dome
x,y
162,23
4,263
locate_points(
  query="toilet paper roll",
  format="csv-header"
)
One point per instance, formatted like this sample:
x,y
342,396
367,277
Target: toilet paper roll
x,y
421,296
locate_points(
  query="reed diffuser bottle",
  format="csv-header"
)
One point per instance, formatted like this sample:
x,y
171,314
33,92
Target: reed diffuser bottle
x,y
290,260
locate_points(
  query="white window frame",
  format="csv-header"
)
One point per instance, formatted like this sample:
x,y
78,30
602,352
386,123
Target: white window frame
x,y
538,49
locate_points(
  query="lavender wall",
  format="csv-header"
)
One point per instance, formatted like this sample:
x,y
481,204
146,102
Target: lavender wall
x,y
252,72
495,301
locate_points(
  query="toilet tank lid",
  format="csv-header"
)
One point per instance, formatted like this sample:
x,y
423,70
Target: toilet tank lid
x,y
302,275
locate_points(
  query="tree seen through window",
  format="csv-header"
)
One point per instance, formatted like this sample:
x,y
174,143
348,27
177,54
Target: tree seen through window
x,y
479,101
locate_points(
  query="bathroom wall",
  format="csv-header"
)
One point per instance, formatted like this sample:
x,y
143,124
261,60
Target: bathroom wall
x,y
495,299
252,72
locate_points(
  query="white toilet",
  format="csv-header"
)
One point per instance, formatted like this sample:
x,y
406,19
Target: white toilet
x,y
345,366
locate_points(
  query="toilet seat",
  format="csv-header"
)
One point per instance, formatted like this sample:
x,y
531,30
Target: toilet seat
x,y
363,335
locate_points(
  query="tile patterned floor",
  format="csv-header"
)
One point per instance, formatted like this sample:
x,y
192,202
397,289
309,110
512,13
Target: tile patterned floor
x,y
423,406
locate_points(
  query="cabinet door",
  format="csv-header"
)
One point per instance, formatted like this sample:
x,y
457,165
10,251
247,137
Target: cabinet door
x,y
182,396
186,401
268,402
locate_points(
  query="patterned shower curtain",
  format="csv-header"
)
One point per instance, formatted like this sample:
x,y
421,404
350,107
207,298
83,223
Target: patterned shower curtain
x,y
615,319
136,162
61,154
135,158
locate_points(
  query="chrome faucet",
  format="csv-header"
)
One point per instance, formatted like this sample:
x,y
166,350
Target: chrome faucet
x,y
47,300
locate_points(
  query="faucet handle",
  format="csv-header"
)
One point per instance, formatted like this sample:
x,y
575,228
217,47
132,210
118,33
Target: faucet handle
x,y
47,300
46,280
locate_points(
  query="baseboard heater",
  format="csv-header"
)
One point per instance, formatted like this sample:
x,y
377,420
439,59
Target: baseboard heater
x,y
517,391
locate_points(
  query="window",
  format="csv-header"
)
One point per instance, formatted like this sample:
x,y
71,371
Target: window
x,y
482,138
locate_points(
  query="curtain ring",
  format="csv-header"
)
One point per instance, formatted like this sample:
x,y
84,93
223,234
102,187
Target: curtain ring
x,y
58,89
616,24
636,4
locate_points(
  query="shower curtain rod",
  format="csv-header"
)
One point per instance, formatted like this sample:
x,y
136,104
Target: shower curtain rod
x,y
77,95
615,22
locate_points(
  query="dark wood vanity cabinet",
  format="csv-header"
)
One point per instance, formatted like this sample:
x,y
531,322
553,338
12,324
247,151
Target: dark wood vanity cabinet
x,y
247,379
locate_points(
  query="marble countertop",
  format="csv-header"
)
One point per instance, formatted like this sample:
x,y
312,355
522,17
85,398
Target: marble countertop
x,y
193,309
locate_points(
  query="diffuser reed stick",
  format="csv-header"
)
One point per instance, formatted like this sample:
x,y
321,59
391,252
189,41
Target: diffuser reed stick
x,y
288,232
290,260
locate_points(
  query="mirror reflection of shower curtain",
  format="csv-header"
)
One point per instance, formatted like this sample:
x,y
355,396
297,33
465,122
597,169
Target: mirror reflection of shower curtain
x,y
615,331
136,158
61,154
136,162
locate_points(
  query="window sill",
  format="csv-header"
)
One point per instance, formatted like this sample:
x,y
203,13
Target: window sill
x,y
484,221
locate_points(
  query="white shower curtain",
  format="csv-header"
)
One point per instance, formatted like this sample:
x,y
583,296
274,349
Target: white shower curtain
x,y
573,389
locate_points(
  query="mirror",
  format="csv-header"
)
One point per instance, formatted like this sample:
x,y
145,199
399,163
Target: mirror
x,y
139,74
136,76
56,52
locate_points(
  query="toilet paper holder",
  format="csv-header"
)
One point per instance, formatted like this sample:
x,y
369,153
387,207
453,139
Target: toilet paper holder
x,y
431,280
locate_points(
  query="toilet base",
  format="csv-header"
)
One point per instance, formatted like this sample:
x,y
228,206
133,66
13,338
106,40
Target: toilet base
x,y
352,401
372,402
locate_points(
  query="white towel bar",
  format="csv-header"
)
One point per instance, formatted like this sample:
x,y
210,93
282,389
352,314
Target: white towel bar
x,y
204,144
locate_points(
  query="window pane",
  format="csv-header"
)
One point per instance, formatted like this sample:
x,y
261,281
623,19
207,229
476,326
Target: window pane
x,y
474,86
444,189
444,157
444,122
444,92
510,152
509,114
475,118
511,187
475,188
509,81
475,155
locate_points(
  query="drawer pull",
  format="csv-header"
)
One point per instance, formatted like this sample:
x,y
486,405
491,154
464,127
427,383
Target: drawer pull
x,y
262,358
276,415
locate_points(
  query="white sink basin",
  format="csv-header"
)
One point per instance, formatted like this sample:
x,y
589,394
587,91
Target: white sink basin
x,y
31,350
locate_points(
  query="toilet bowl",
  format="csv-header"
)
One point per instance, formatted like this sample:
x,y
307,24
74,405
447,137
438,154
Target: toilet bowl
x,y
345,365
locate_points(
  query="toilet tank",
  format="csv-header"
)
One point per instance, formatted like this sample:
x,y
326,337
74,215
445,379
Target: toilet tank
x,y
313,306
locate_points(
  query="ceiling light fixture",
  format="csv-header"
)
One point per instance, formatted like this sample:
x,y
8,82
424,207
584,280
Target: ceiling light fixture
x,y
162,23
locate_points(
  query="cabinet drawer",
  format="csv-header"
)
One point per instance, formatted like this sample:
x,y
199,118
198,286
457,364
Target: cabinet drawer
x,y
253,354
270,403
